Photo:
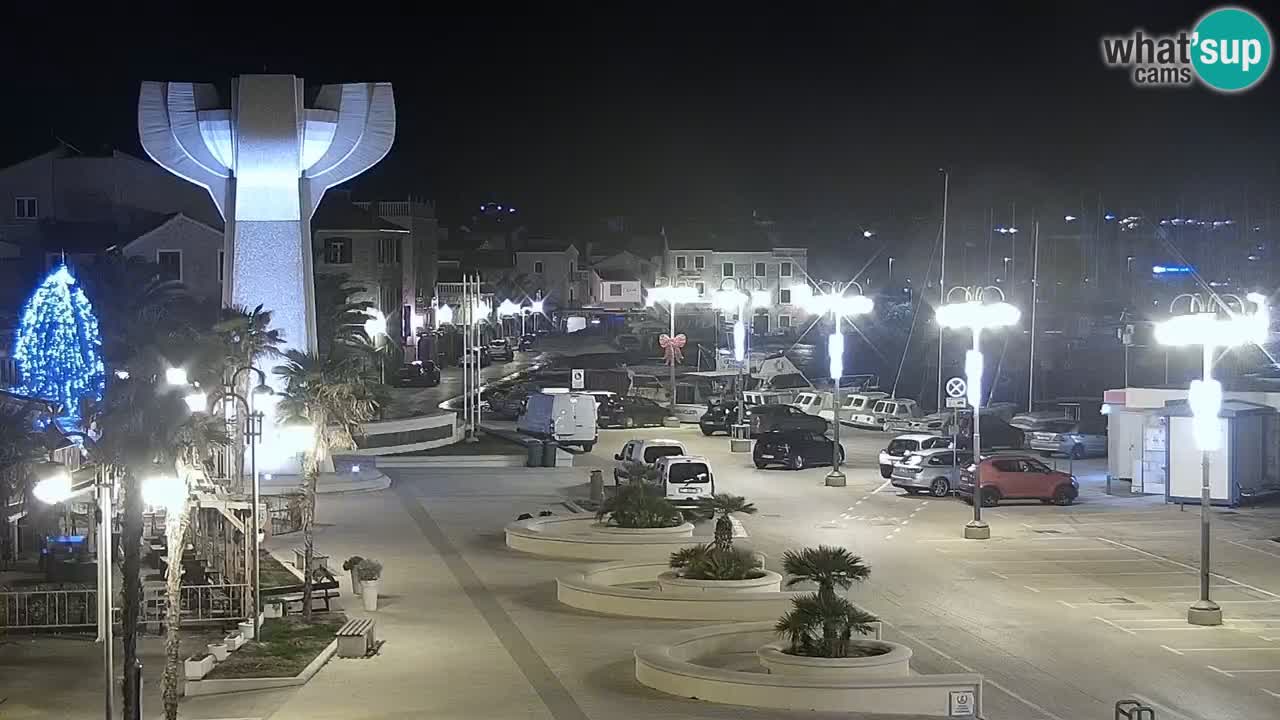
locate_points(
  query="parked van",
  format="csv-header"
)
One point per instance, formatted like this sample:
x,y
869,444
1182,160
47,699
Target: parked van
x,y
645,452
687,479
858,403
885,410
566,417
817,403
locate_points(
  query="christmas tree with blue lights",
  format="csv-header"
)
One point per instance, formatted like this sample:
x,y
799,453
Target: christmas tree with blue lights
x,y
59,350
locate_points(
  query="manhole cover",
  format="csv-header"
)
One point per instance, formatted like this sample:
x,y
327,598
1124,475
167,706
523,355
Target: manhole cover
x,y
1048,532
1113,601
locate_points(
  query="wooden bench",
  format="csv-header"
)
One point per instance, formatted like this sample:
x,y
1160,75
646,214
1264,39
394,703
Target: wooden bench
x,y
317,560
355,638
324,587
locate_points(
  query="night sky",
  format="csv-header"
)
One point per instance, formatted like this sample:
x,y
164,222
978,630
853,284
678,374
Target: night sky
x,y
671,111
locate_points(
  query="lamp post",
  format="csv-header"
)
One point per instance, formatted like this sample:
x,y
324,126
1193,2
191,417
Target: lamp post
x,y
672,295
376,326
975,315
735,299
507,309
1204,327
835,301
55,486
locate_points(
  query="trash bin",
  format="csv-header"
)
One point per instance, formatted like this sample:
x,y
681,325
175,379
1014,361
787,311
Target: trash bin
x,y
535,453
549,449
597,485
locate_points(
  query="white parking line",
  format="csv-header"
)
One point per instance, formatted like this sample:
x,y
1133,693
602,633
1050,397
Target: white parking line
x,y
1175,652
1136,572
1250,547
1221,649
1272,693
1031,588
1233,673
883,486
1002,577
976,562
1191,568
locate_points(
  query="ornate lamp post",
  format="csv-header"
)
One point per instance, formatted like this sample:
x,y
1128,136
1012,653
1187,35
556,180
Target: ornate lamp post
x,y
976,315
733,299
672,295
1205,327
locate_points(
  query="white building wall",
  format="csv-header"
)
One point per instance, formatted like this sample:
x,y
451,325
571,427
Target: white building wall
x,y
745,272
201,247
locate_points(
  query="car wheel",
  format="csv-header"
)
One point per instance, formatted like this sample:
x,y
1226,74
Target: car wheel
x,y
1077,452
760,465
707,432
886,471
1064,495
990,497
940,488
797,462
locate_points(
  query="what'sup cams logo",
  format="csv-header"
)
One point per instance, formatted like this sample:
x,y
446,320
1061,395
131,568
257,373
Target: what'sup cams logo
x,y
1228,50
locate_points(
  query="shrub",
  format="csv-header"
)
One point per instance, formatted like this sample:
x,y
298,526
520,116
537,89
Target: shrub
x,y
352,563
369,570
709,562
639,506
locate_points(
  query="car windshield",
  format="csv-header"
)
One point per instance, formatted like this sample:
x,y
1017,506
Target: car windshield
x,y
902,446
691,472
652,453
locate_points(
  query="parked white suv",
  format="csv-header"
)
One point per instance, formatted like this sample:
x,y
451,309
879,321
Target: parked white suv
x,y
904,445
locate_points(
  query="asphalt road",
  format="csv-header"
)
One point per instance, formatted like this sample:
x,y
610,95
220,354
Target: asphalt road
x,y
1065,610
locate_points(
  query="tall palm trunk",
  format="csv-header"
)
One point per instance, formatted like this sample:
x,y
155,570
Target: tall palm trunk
x,y
131,541
308,536
723,532
176,523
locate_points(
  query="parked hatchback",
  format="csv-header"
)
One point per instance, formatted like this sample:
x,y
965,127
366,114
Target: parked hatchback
x,y
628,411
935,471
904,445
1018,477
794,449
769,418
500,349
1073,438
720,417
419,373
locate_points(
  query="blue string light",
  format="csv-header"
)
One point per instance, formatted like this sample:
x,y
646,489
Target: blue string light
x,y
59,350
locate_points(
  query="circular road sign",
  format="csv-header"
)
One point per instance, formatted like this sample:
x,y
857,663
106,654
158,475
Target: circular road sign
x,y
956,387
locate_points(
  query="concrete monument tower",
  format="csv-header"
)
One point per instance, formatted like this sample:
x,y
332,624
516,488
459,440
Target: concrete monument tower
x,y
267,159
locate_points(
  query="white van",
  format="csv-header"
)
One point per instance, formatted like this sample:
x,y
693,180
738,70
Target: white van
x,y
646,452
687,479
885,411
566,417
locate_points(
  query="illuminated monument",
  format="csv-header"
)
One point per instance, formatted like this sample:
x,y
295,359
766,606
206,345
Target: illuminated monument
x,y
267,160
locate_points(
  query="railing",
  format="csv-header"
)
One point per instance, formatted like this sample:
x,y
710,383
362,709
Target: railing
x,y
215,603
48,609
285,512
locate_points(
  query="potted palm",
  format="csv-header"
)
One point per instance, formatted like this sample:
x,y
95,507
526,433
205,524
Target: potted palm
x,y
818,631
197,666
721,507
369,572
350,566
636,506
719,565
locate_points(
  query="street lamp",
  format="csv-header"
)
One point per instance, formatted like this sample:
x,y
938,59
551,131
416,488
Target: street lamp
x,y
891,259
1204,327
840,305
734,299
672,295
375,326
976,315
508,309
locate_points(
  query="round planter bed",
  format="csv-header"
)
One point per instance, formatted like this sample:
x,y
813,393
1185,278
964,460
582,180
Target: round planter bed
x,y
681,530
889,660
610,589
580,537
768,581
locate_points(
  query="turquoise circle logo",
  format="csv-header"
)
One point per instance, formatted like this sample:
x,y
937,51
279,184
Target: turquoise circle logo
x,y
1231,49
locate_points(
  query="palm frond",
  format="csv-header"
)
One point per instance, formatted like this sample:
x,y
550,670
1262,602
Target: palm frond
x,y
829,567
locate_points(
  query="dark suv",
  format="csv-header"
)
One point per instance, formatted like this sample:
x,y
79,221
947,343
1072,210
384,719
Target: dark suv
x,y
769,418
794,449
720,417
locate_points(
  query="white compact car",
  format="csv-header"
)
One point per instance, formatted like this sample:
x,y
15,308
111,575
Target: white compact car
x,y
646,452
904,445
687,479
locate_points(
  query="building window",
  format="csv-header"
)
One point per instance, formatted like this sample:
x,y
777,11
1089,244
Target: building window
x,y
222,259
389,251
784,321
784,270
759,269
170,262
573,267
726,269
573,296
701,288
25,208
681,262
699,262
615,290
337,251
784,297
537,267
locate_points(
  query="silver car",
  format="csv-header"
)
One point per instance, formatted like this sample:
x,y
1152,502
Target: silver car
x,y
930,471
1073,438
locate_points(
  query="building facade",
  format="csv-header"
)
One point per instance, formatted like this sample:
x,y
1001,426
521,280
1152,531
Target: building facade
x,y
775,271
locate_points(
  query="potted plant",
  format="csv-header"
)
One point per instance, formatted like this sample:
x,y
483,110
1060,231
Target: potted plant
x,y
219,650
246,629
720,507
369,572
350,566
197,666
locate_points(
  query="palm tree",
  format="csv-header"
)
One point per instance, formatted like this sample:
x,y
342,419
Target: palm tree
x,y
721,506
828,567
335,395
340,316
242,337
20,446
636,505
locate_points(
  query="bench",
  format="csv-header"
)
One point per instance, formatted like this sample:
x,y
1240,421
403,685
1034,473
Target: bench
x,y
300,559
356,638
324,587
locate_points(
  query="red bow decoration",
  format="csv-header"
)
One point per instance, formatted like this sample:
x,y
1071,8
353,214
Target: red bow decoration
x,y
671,347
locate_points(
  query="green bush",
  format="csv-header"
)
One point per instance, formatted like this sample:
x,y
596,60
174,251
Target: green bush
x,y
368,570
352,562
710,562
638,505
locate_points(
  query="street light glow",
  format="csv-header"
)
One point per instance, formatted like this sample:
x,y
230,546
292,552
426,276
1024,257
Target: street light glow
x,y
536,306
977,315
197,401
164,491
376,324
508,309
667,294
175,376
54,487
444,315
835,355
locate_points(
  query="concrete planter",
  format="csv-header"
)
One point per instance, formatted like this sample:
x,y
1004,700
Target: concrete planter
x,y
234,641
369,594
273,610
219,651
355,582
681,530
195,688
672,582
895,661
246,629
196,669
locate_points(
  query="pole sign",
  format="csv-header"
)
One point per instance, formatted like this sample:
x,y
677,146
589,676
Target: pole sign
x,y
578,379
955,388
956,403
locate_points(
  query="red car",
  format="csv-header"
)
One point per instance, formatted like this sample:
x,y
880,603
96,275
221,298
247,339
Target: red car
x,y
1018,477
